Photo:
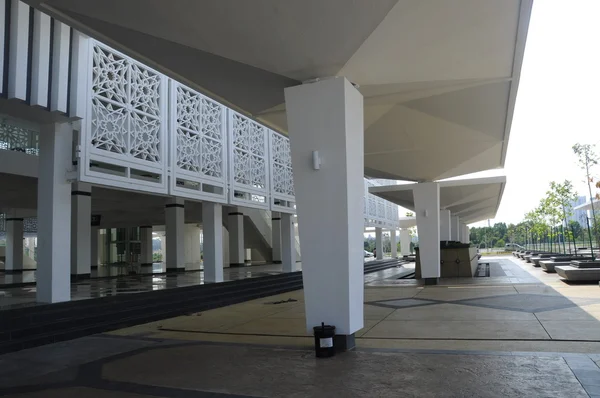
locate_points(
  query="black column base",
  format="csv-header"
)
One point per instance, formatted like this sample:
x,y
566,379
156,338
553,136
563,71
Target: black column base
x,y
276,262
431,281
344,342
18,271
80,277
237,265
146,265
175,269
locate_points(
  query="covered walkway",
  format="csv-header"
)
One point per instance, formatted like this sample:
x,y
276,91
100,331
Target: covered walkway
x,y
521,334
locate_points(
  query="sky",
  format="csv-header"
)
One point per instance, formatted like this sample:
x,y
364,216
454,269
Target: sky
x,y
558,104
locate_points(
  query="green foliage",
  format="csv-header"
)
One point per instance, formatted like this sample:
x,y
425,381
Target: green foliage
x,y
500,243
576,229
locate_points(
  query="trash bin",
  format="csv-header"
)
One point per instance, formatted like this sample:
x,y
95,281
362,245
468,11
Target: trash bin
x,y
324,340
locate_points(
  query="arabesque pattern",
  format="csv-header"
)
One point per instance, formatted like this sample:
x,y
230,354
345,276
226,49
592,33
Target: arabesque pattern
x,y
200,134
249,152
15,138
126,111
281,172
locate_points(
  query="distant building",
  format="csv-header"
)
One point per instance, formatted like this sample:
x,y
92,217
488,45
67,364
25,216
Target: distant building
x,y
578,215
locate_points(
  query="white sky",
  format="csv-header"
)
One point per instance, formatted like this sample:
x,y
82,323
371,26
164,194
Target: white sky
x,y
557,103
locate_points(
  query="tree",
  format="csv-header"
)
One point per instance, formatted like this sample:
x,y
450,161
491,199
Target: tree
x,y
575,229
587,158
562,196
500,243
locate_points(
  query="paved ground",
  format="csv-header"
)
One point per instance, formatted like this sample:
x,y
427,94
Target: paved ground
x,y
22,296
13,297
519,332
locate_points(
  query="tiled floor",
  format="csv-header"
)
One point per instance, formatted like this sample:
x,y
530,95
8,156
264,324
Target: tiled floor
x,y
532,336
12,297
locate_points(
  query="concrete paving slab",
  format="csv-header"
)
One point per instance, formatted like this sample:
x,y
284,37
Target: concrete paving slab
x,y
573,329
456,312
504,329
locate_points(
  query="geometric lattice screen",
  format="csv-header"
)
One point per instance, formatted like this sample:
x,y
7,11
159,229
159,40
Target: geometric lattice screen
x,y
248,157
378,212
199,136
125,133
282,177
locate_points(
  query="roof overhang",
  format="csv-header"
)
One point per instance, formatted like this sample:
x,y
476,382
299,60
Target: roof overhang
x,y
472,199
439,78
588,205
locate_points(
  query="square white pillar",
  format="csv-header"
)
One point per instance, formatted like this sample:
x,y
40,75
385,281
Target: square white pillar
x,y
394,243
378,243
427,209
81,230
54,214
455,228
467,234
192,244
276,236
445,225
237,255
212,230
95,255
404,242
146,258
325,122
14,244
288,243
175,231
464,234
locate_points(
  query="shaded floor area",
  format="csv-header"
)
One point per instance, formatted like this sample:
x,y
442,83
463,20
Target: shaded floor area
x,y
12,297
515,333
15,297
141,368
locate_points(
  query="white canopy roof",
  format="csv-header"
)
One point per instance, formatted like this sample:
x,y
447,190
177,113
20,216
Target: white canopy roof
x,y
472,200
588,205
439,77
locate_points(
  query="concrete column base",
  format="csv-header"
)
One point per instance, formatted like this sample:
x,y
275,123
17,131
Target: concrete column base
x,y
431,281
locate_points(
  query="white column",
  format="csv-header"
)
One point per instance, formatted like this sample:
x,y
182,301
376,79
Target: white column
x,y
325,121
146,245
455,228
94,254
81,229
192,244
14,244
445,225
163,247
288,243
212,230
378,243
404,242
237,255
54,214
175,231
468,234
276,236
464,234
394,243
427,209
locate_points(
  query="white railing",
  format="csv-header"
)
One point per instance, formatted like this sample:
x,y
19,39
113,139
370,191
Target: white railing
x,y
29,224
146,132
379,212
143,131
17,138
